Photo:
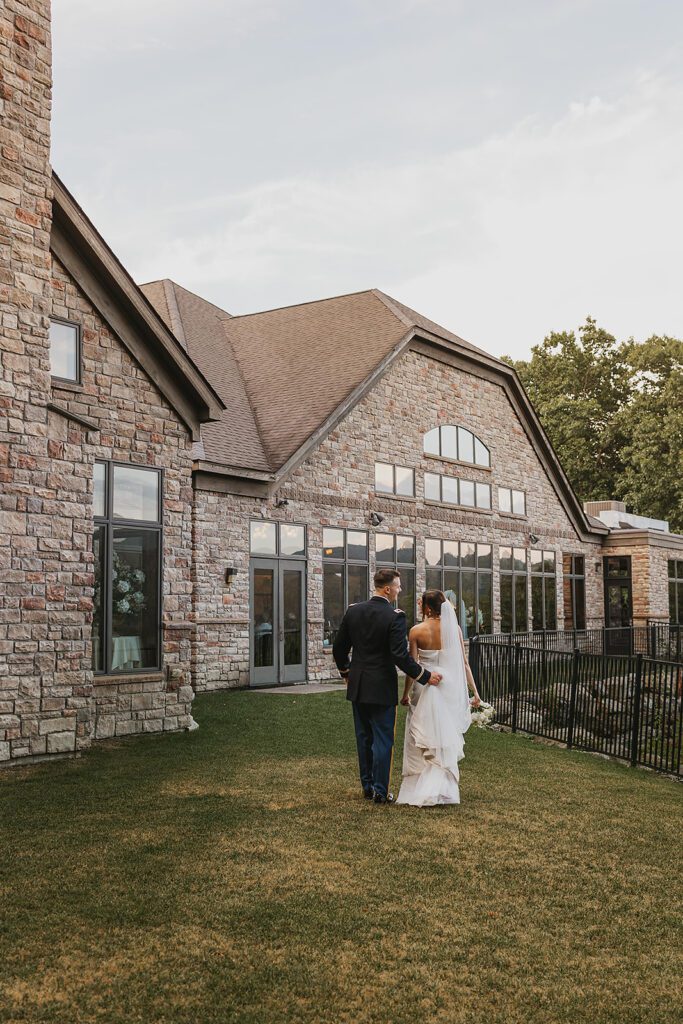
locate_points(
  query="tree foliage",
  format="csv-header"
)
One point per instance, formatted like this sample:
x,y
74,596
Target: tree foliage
x,y
614,414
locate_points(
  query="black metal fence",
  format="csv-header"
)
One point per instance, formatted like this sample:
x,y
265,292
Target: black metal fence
x,y
628,706
659,640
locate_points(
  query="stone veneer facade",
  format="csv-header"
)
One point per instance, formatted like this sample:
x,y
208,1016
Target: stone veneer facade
x,y
334,486
44,677
49,701
134,424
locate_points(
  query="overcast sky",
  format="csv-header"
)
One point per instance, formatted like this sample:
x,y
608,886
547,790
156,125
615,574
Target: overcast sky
x,y
504,168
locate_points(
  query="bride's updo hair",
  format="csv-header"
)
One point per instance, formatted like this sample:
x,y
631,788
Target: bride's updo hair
x,y
432,601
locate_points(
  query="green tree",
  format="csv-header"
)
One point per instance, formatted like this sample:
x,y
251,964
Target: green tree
x,y
651,475
579,386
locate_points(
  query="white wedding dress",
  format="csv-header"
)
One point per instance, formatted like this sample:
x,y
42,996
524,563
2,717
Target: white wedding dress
x,y
438,718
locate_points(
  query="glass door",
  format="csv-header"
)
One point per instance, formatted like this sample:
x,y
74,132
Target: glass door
x,y
278,621
263,621
292,636
618,605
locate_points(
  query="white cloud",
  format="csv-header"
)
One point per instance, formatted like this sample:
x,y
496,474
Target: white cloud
x,y
502,242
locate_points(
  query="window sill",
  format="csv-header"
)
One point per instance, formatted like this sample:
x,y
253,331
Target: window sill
x,y
67,385
513,515
459,508
153,676
395,497
458,462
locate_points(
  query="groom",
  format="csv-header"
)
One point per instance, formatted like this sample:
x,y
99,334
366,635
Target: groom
x,y
378,634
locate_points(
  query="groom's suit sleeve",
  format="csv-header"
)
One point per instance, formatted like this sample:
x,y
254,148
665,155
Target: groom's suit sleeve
x,y
398,640
342,647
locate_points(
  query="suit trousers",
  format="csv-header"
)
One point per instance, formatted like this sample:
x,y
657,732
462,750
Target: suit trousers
x,y
375,730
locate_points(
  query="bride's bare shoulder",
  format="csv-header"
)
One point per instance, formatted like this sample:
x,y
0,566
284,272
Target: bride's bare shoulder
x,y
417,631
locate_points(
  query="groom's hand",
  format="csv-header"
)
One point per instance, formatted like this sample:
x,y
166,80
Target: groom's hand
x,y
435,679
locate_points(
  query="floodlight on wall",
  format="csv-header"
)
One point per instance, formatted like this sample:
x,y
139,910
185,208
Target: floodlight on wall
x,y
376,518
281,503
229,573
533,538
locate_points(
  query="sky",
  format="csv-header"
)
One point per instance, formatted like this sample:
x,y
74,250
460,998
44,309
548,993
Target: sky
x,y
506,169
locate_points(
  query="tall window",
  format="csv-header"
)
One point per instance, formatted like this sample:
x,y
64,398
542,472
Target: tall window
x,y
456,444
543,594
574,590
65,350
464,572
398,552
676,591
127,549
451,491
513,590
511,501
391,479
345,576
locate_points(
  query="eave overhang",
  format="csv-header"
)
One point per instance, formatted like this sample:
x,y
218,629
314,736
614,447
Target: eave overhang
x,y
99,274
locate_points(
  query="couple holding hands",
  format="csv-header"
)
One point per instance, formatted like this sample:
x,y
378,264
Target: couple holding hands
x,y
438,678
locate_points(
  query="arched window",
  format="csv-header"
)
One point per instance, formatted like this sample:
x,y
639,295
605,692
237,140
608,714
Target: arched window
x,y
457,444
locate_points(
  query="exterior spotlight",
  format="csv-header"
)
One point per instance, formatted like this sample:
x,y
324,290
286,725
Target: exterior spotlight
x,y
281,503
533,538
376,518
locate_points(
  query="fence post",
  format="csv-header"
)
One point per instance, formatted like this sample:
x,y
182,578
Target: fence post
x,y
576,666
635,730
515,684
653,641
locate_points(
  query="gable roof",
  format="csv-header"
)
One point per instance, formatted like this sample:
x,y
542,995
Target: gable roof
x,y
141,329
287,376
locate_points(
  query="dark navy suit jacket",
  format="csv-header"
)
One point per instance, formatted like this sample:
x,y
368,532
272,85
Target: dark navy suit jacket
x,y
378,636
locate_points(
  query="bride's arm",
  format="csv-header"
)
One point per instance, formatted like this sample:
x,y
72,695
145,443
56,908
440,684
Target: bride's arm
x,y
468,672
412,646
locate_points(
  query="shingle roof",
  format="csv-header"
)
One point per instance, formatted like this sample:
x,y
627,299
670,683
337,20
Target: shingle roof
x,y
282,373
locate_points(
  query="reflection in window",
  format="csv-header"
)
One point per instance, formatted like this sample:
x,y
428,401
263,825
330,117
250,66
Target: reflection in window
x,y
398,552
452,491
464,573
127,597
513,590
676,591
458,444
511,501
574,591
390,479
345,576
263,539
543,593
292,540
136,493
65,351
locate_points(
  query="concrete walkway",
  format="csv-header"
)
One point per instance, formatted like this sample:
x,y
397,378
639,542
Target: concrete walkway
x,y
298,688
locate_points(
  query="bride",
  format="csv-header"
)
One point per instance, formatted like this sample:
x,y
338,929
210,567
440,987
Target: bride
x,y
438,716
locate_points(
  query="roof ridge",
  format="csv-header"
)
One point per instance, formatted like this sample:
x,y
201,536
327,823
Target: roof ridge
x,y
173,311
392,307
245,386
298,305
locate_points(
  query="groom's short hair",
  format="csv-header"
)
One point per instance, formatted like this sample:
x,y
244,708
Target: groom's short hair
x,y
384,577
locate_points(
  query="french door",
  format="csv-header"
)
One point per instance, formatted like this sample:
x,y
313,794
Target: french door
x,y
277,621
618,605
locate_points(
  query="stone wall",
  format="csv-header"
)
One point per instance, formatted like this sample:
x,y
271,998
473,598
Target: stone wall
x,y
44,682
134,424
335,487
649,574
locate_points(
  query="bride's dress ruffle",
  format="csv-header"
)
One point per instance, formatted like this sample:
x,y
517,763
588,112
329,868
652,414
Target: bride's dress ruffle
x,y
437,719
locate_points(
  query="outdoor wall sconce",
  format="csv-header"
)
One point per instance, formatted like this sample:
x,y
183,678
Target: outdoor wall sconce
x,y
598,566
229,573
376,518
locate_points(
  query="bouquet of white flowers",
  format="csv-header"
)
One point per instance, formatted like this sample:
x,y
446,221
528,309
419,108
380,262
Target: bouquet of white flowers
x,y
483,715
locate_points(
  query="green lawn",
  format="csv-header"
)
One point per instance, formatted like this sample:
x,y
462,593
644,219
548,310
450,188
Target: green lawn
x,y
235,874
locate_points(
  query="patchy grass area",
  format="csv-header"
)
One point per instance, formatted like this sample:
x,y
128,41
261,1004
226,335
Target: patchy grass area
x,y
235,875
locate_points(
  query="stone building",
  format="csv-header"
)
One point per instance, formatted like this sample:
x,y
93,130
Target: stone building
x,y
188,500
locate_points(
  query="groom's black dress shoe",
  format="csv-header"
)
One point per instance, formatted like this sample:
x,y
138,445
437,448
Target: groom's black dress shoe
x,y
388,799
369,794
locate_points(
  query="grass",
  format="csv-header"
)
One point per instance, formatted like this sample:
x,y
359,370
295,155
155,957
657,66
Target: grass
x,y
235,875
